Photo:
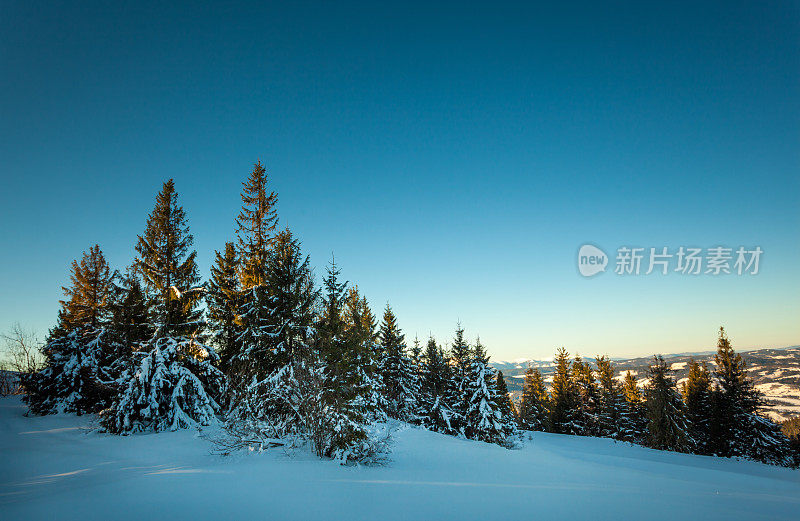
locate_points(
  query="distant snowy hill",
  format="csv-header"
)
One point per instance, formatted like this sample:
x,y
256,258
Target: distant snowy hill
x,y
776,373
57,467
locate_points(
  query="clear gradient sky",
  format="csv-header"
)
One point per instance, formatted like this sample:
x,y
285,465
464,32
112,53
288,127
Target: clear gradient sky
x,y
453,158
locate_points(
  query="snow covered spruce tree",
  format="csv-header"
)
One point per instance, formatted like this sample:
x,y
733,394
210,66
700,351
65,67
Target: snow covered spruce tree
x,y
81,359
485,419
436,390
533,405
611,407
635,418
586,415
736,428
666,421
222,298
346,397
275,382
460,379
564,397
174,382
400,384
256,225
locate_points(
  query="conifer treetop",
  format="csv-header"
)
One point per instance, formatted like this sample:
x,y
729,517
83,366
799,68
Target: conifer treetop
x,y
256,223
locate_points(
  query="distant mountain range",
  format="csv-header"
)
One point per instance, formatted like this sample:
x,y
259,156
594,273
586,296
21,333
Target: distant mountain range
x,y
776,373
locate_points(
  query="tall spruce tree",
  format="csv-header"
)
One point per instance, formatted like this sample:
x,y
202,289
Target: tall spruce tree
x,y
461,369
271,397
586,412
733,400
347,392
130,323
167,265
564,396
88,298
504,397
611,403
485,419
697,397
635,417
81,359
256,224
436,390
223,300
736,428
399,377
666,420
533,411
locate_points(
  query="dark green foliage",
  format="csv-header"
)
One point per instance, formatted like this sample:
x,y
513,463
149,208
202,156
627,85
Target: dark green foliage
x,y
397,371
586,414
461,369
82,361
564,397
533,413
167,265
223,299
256,223
612,421
635,414
504,398
436,390
666,420
129,325
88,298
733,400
697,396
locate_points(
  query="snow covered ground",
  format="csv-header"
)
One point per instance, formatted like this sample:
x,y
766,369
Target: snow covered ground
x,y
56,467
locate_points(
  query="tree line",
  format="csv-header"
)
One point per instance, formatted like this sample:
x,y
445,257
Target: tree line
x,y
714,412
277,357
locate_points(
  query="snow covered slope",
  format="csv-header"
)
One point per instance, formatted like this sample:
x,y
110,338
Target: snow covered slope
x,y
57,468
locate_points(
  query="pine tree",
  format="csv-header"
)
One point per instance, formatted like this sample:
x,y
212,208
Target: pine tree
x,y
256,223
167,265
348,394
223,299
175,386
436,390
611,404
634,418
504,397
271,397
736,428
416,354
586,413
734,399
78,377
666,421
461,369
80,357
129,325
485,420
533,411
399,379
697,397
88,297
564,396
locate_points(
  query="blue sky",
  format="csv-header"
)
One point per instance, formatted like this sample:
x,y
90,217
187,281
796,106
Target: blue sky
x,y
454,158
